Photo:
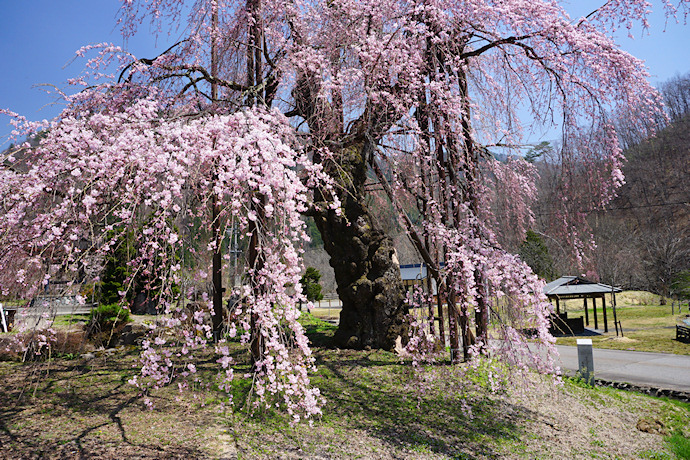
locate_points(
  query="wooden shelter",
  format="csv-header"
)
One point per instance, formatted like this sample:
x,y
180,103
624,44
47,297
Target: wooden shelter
x,y
417,275
575,287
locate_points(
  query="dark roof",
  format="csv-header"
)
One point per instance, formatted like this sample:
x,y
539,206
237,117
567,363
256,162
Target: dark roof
x,y
576,286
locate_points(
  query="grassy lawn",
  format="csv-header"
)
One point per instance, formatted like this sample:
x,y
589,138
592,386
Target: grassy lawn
x,y
326,313
70,320
647,326
376,407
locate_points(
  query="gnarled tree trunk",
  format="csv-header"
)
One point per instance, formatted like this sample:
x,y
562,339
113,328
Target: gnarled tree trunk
x,y
363,257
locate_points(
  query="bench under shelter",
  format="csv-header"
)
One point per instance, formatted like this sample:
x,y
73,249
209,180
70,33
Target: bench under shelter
x,y
576,287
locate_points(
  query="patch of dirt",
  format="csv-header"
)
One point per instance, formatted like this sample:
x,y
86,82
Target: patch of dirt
x,y
620,339
651,425
576,423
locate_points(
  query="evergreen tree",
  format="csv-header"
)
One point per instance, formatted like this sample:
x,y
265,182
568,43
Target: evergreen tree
x,y
680,285
534,253
310,284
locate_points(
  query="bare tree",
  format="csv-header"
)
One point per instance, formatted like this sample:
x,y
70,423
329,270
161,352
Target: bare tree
x,y
676,92
665,253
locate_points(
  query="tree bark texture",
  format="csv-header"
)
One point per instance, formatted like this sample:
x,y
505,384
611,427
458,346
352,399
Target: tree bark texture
x,y
363,257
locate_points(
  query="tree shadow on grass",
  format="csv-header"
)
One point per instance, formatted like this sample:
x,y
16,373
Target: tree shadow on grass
x,y
62,410
320,333
383,398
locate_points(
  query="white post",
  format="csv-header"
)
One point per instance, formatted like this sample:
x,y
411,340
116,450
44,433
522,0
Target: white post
x,y
4,321
585,360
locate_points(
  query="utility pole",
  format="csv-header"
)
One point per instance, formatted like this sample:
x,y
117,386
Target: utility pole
x,y
217,275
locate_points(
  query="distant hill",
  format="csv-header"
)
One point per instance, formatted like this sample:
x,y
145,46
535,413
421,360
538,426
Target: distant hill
x,y
657,174
18,152
644,237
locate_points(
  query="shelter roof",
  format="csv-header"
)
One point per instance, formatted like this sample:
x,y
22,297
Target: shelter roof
x,y
576,286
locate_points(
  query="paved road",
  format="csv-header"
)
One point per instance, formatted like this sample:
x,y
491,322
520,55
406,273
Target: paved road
x,y
659,370
37,315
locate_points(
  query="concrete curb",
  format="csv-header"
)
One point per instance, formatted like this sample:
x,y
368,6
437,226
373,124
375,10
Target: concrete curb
x,y
683,396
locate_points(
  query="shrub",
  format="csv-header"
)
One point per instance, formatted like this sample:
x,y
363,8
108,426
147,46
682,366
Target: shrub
x,y
310,284
106,322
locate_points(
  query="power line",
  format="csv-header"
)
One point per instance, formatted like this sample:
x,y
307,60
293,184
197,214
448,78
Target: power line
x,y
623,208
654,205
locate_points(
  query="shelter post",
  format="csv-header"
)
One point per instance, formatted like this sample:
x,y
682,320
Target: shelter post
x,y
603,306
615,316
594,312
586,312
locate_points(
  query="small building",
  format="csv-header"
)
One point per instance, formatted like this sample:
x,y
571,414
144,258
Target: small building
x,y
575,287
416,275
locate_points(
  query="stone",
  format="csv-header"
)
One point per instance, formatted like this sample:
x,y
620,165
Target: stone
x,y
133,334
654,426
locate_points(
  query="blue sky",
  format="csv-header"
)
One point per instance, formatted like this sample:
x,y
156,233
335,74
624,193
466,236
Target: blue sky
x,y
38,38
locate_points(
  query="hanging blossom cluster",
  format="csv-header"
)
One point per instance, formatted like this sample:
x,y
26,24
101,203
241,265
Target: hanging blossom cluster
x,y
423,346
95,176
511,192
513,297
484,279
589,179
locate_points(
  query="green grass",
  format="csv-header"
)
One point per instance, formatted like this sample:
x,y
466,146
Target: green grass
x,y
320,332
69,320
680,445
13,302
675,417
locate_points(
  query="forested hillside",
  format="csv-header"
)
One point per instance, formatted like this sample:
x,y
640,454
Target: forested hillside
x,y
644,239
657,189
643,235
